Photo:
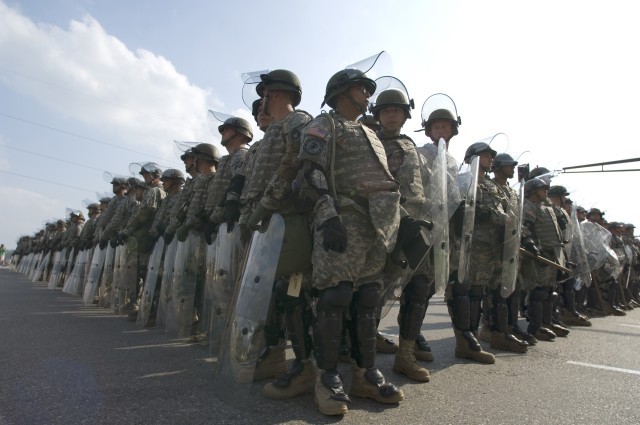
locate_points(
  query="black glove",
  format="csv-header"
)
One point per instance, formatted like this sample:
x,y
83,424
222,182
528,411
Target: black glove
x,y
334,235
562,221
209,230
231,214
103,243
168,237
409,228
114,241
121,238
530,246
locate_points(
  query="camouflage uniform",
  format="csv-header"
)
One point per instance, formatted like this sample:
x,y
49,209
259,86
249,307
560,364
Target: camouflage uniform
x,y
162,217
228,168
104,221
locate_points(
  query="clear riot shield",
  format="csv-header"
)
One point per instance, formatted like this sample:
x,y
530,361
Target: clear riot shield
x,y
117,288
596,241
93,278
468,184
438,194
154,272
578,254
228,253
106,282
243,338
165,306
129,274
511,246
58,265
185,281
39,271
68,265
209,276
71,282
81,273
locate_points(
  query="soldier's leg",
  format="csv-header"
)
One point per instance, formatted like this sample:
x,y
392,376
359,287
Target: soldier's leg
x,y
368,381
300,376
467,346
272,362
537,297
569,314
513,304
412,310
422,349
327,329
501,337
484,333
547,314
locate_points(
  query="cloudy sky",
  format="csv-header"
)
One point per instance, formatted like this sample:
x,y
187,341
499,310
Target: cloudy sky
x,y
88,86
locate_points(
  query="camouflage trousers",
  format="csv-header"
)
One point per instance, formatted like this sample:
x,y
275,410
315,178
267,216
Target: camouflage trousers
x,y
362,262
485,265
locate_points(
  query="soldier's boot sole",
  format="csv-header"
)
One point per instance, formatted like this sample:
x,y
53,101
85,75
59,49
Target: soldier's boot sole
x,y
326,404
300,384
501,341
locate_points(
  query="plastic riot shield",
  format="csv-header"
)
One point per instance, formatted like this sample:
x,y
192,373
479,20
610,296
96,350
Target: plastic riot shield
x,y
129,276
511,246
39,271
147,298
58,264
244,338
93,278
185,283
468,184
210,271
71,282
226,269
106,282
81,273
578,254
117,289
437,194
596,241
165,307
69,266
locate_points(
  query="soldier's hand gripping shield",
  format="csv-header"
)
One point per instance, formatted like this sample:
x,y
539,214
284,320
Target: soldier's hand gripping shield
x,y
93,278
223,277
244,337
468,185
186,276
148,297
165,306
106,287
578,253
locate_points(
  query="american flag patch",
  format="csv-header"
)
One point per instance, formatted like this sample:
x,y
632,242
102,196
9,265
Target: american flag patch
x,y
318,132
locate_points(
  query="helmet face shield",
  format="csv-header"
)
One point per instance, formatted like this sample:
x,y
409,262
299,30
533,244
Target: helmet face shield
x,y
390,91
439,106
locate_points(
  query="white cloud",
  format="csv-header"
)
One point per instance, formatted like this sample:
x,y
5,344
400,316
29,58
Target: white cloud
x,y
88,75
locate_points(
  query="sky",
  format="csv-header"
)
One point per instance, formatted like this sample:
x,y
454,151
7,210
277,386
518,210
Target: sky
x,y
88,86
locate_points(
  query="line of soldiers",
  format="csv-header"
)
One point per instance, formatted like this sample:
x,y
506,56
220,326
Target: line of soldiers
x,y
312,233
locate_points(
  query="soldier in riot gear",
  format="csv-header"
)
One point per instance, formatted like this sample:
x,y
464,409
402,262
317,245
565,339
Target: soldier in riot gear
x,y
139,225
172,183
178,212
268,191
354,224
568,314
120,188
236,135
392,108
85,240
541,236
503,169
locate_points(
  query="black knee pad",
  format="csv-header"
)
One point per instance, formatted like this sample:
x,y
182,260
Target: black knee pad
x,y
418,288
476,293
539,294
337,297
461,289
368,296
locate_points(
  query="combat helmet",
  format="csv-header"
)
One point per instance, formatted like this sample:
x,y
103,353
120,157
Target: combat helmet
x,y
151,168
441,114
503,159
173,174
533,185
241,125
476,149
281,79
340,82
207,152
392,97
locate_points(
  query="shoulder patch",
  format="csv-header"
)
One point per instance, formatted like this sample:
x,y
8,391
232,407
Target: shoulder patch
x,y
312,146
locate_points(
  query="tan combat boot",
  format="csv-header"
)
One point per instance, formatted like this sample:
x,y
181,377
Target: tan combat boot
x,y
406,363
329,394
485,332
422,351
468,347
272,365
299,379
370,383
385,345
507,342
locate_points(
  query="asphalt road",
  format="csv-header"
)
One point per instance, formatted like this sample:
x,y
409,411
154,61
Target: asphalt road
x,y
64,363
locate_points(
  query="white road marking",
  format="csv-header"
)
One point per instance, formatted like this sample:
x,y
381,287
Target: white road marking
x,y
630,326
135,332
611,368
135,347
157,375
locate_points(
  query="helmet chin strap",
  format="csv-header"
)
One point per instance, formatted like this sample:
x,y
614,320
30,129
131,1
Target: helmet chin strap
x,y
361,108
